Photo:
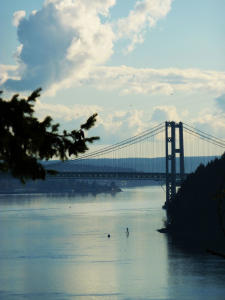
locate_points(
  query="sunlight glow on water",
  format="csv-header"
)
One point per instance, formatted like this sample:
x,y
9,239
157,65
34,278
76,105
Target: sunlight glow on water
x,y
56,247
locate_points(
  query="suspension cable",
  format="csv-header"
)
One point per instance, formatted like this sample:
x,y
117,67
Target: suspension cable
x,y
204,133
130,140
205,137
121,146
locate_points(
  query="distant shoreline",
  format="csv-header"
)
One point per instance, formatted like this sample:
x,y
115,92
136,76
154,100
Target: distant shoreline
x,y
72,192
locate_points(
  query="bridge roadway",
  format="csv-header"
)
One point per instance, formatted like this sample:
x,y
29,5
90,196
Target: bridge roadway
x,y
112,175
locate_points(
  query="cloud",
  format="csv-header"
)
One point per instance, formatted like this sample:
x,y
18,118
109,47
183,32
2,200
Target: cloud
x,y
164,113
66,113
210,121
139,81
220,102
128,80
8,71
114,126
66,43
18,16
61,42
111,126
145,14
111,123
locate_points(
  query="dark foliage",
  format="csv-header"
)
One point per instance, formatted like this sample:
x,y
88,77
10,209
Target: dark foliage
x,y
24,140
199,207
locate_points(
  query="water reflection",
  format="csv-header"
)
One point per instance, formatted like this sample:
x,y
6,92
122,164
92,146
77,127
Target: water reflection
x,y
193,272
57,248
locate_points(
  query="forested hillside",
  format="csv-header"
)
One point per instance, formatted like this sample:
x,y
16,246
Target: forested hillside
x,y
198,210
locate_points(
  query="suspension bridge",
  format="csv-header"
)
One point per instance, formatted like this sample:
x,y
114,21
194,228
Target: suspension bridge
x,y
166,152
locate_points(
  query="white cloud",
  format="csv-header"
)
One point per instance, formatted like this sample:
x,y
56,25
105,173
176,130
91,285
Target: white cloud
x,y
18,53
62,42
111,126
210,121
65,113
18,16
34,12
130,80
112,122
7,71
164,113
125,122
75,36
220,103
77,39
145,14
114,126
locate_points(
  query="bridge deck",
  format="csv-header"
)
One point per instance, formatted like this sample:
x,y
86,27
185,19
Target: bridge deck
x,y
112,175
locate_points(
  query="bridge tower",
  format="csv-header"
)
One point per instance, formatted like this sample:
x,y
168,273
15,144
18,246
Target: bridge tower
x,y
173,176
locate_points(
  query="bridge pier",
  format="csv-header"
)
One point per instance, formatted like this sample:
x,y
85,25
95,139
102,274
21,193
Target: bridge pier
x,y
174,146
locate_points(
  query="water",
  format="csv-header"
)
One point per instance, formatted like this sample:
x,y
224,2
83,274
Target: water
x,y
56,247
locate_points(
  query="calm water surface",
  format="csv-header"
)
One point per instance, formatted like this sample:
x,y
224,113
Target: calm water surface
x,y
56,247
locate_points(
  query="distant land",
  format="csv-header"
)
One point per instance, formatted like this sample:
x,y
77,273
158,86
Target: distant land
x,y
53,185
125,164
11,185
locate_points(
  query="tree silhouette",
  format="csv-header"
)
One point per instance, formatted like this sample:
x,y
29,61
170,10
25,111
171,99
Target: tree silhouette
x,y
198,209
25,141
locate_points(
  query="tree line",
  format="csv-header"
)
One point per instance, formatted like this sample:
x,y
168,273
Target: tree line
x,y
198,210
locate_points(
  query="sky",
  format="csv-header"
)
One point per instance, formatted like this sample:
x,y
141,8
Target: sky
x,y
135,63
